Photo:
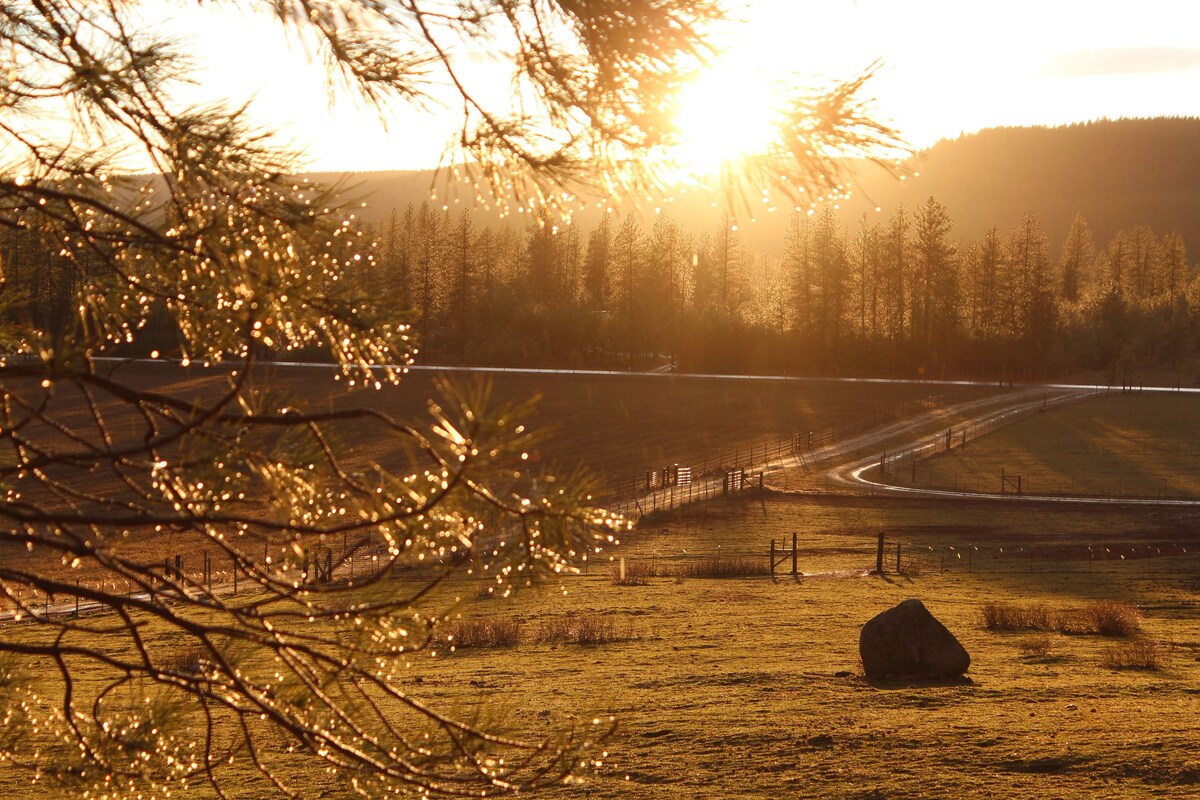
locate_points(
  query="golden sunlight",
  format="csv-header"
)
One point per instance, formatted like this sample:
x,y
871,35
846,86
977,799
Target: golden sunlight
x,y
726,114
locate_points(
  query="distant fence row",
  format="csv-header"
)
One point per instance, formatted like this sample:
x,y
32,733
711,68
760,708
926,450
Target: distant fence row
x,y
213,572
672,485
910,558
905,463
910,466
891,555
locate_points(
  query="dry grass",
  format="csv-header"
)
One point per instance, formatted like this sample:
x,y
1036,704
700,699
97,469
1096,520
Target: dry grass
x,y
1014,617
1105,618
731,690
1140,654
481,633
723,567
1036,646
583,629
188,660
637,572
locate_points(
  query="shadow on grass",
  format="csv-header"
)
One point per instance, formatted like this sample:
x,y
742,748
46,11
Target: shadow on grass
x,y
917,683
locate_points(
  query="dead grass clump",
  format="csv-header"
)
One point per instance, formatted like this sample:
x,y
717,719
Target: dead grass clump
x,y
1106,618
1015,617
727,567
1138,654
481,633
1036,646
637,573
187,661
583,629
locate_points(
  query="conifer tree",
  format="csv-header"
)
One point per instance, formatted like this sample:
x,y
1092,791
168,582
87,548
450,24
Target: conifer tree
x,y
180,680
1077,261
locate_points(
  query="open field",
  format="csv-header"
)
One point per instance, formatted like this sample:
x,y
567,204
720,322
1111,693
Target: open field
x,y
731,687
616,425
1135,445
750,687
622,425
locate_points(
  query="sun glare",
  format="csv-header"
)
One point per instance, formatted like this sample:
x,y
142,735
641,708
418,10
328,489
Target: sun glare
x,y
726,114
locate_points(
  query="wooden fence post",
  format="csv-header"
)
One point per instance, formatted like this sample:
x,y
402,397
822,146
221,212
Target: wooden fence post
x,y
898,548
879,556
794,571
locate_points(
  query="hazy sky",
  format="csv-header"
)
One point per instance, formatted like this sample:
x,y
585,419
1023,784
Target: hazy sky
x,y
949,66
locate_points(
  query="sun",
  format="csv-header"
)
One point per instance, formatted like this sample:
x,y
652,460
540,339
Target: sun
x,y
728,113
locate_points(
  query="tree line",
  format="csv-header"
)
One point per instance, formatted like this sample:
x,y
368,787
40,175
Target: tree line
x,y
899,296
896,296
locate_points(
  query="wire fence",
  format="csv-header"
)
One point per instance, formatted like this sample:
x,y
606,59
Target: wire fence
x,y
1157,558
905,464
200,571
669,486
911,466
890,554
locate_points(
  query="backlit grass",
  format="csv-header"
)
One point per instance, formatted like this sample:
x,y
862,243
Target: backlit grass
x,y
749,688
1141,445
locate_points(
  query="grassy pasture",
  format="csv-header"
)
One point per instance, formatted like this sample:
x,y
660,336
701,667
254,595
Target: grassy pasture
x,y
1140,445
731,687
616,425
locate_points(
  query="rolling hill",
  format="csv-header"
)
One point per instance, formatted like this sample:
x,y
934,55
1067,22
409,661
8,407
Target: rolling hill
x,y
1116,173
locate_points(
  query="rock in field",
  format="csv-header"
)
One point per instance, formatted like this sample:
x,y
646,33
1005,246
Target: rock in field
x,y
908,642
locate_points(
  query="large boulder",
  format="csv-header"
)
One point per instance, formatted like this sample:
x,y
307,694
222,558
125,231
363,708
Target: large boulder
x,y
908,642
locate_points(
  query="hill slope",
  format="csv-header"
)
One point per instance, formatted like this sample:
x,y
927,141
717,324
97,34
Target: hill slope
x,y
1117,173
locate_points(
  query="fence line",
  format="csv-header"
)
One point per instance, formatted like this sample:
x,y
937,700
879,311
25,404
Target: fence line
x,y
673,485
897,463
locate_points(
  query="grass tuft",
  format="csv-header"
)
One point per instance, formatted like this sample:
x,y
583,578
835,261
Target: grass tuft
x,y
482,633
726,567
583,629
1015,617
1036,646
1139,654
637,573
1106,618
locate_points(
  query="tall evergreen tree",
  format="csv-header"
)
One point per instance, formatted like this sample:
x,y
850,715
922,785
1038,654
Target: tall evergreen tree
x,y
1076,266
935,280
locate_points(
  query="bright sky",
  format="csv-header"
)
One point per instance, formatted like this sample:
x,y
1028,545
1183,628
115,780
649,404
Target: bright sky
x,y
949,66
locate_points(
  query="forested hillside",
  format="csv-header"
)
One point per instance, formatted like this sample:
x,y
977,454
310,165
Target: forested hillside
x,y
1115,173
969,282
